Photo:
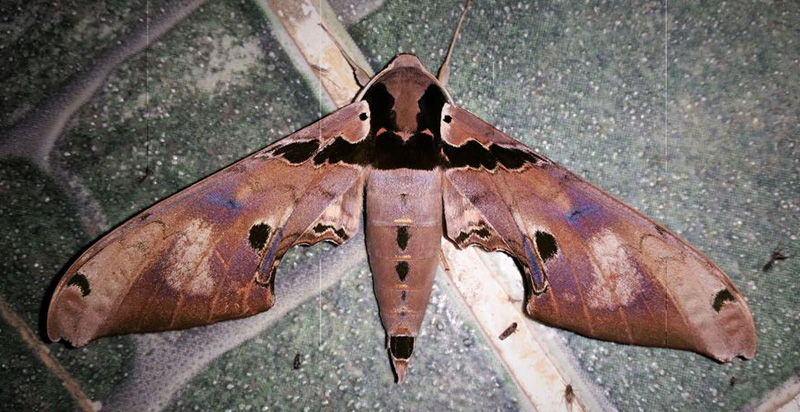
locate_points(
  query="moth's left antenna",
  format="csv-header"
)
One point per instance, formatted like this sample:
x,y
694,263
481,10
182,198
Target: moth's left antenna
x,y
444,71
147,170
362,77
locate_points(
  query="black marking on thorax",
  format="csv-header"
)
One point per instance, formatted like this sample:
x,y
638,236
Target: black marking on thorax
x,y
388,148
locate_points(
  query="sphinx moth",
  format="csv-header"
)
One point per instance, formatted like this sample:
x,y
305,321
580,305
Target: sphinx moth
x,y
416,167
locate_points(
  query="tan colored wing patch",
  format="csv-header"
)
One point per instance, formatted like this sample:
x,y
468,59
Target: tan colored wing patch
x,y
616,279
189,269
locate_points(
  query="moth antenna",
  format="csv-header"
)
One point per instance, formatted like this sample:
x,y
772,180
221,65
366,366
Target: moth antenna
x,y
362,77
444,71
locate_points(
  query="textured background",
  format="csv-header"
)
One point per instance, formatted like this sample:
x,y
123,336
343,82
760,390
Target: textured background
x,y
689,113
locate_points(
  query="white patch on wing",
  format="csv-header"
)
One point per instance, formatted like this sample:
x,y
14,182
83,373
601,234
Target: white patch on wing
x,y
190,259
616,280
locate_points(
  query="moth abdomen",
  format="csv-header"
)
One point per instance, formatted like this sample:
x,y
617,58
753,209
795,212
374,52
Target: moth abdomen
x,y
403,233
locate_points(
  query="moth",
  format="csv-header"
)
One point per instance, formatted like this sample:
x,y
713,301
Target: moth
x,y
776,256
734,380
569,396
297,362
509,330
416,167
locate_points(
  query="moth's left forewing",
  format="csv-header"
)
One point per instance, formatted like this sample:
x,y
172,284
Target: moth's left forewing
x,y
209,252
595,265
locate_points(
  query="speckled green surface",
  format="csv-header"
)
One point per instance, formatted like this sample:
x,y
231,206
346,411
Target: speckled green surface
x,y
43,44
584,84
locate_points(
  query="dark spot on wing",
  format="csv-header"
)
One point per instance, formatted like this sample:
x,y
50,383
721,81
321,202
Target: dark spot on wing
x,y
144,217
403,296
513,158
402,270
340,150
474,155
402,237
82,282
363,116
401,346
471,154
297,152
258,236
722,297
447,118
483,233
546,245
340,233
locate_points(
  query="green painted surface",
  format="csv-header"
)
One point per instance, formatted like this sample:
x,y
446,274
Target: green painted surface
x,y
27,383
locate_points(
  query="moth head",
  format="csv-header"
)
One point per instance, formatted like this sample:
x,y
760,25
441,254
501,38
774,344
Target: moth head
x,y
405,97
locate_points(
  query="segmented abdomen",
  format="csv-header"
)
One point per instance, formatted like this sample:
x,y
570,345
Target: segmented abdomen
x,y
403,235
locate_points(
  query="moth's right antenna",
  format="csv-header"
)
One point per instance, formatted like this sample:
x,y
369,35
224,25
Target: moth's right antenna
x,y
444,71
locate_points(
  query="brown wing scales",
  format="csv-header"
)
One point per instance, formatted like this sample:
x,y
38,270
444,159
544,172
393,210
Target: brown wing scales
x,y
192,259
595,265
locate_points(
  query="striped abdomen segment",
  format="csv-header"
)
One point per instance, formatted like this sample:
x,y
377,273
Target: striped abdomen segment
x,y
403,233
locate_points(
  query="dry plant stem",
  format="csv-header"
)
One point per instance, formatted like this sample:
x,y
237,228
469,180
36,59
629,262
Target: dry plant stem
x,y
43,354
35,135
176,357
